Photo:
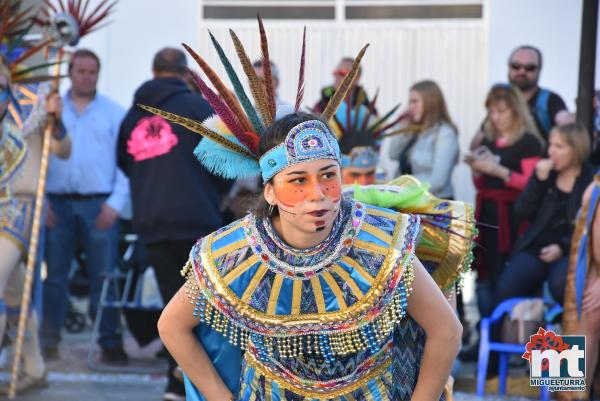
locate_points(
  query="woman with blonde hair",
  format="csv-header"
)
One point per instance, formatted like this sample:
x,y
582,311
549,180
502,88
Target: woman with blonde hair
x,y
501,168
550,202
431,153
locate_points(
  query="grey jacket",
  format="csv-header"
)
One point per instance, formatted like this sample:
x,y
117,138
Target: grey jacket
x,y
432,157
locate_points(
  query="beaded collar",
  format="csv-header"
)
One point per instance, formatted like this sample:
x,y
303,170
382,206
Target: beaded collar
x,y
302,264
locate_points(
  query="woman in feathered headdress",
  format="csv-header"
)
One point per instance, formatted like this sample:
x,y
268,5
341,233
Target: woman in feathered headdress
x,y
323,293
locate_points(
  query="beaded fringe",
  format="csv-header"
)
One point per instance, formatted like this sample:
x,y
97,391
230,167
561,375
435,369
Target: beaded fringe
x,y
328,345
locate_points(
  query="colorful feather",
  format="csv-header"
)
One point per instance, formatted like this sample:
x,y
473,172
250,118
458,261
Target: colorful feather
x,y
342,91
16,22
371,110
256,85
222,161
300,93
222,90
266,63
30,52
383,119
199,128
78,10
411,129
397,120
26,71
360,99
259,128
224,113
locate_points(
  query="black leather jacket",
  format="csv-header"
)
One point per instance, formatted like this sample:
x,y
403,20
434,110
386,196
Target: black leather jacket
x,y
538,203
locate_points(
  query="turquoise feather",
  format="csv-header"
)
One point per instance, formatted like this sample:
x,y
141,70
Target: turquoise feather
x,y
239,89
357,116
223,162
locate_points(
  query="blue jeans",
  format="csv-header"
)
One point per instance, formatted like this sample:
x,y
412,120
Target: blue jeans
x,y
525,273
76,224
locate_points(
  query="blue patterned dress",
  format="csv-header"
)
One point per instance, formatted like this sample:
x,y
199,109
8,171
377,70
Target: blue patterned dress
x,y
327,322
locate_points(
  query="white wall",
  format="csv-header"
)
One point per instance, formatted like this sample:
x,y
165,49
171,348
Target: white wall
x,y
465,57
552,25
137,30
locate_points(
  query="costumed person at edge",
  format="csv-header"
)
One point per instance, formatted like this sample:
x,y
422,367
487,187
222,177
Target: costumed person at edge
x,y
315,288
581,314
15,227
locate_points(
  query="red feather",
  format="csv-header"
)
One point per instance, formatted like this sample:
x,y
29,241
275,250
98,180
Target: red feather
x,y
49,4
229,99
266,65
78,10
224,113
300,93
371,110
401,117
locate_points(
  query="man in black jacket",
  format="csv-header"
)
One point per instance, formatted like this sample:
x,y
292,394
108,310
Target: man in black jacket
x,y
175,199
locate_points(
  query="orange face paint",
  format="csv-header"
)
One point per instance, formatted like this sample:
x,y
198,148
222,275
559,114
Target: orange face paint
x,y
293,190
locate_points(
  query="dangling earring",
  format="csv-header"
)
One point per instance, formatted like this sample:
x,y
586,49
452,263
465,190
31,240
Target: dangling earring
x,y
271,209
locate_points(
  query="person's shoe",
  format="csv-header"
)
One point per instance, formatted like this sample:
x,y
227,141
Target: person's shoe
x,y
114,356
51,353
175,390
26,383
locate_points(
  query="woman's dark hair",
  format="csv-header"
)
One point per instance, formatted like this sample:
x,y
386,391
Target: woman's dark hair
x,y
275,135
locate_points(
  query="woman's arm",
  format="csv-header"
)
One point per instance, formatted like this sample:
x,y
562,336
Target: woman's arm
x,y
529,201
175,328
428,307
445,154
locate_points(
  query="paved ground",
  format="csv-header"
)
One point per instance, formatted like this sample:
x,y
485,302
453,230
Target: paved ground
x,y
70,378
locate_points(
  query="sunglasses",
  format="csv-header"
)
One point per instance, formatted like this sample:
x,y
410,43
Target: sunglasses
x,y
526,67
341,72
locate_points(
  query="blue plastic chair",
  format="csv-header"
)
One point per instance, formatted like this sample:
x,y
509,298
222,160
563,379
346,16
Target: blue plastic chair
x,y
486,345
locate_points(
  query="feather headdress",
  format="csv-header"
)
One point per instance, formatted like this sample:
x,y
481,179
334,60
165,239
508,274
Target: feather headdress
x,y
359,126
85,21
230,144
17,46
16,23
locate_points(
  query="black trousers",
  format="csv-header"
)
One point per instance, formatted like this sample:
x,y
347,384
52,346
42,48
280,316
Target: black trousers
x,y
167,258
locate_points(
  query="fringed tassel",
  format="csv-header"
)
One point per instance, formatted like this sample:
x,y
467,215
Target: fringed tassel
x,y
328,346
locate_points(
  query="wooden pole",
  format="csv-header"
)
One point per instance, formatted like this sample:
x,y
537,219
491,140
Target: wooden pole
x,y
35,236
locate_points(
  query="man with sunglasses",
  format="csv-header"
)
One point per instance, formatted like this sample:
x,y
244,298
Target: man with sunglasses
x,y
357,92
547,107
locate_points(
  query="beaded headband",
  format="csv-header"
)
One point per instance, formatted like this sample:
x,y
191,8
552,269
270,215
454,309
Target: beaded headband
x,y
309,140
361,157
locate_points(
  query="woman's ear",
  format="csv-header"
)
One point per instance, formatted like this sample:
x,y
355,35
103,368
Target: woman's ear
x,y
269,194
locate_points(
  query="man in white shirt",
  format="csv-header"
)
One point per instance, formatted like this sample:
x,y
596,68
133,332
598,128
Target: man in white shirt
x,y
86,194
